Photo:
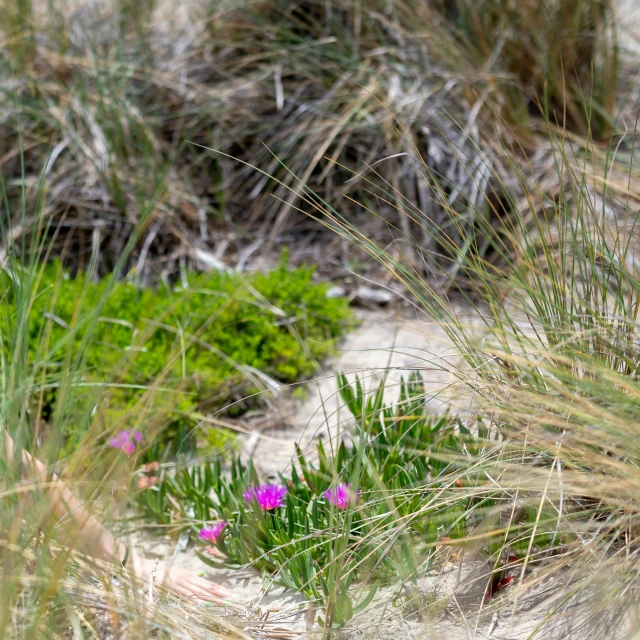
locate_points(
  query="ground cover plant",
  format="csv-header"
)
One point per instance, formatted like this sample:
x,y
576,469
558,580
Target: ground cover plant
x,y
373,514
299,527
217,340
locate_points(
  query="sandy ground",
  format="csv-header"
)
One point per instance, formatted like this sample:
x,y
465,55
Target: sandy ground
x,y
398,346
384,344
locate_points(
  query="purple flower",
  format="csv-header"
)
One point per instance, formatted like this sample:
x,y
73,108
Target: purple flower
x,y
211,534
268,496
340,496
125,440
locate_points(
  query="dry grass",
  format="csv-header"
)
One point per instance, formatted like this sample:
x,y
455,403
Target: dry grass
x,y
120,95
426,115
556,371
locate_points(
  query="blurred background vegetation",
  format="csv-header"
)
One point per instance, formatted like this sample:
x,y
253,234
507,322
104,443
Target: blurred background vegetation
x,y
213,114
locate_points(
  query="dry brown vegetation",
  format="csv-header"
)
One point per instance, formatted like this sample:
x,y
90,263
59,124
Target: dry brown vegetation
x,y
206,122
483,147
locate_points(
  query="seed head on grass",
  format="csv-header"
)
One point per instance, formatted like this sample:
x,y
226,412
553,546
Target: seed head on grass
x,y
126,441
340,496
268,496
211,534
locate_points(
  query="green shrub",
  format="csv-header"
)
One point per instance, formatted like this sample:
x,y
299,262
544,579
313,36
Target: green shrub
x,y
211,343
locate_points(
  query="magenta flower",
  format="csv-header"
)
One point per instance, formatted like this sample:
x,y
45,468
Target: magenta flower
x,y
211,534
126,441
341,495
268,496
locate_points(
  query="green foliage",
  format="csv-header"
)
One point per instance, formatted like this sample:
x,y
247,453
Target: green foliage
x,y
403,467
418,478
214,341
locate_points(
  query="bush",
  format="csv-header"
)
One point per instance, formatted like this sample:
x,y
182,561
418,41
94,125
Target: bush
x,y
221,338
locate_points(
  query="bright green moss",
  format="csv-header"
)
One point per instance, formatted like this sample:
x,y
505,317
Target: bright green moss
x,y
214,342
